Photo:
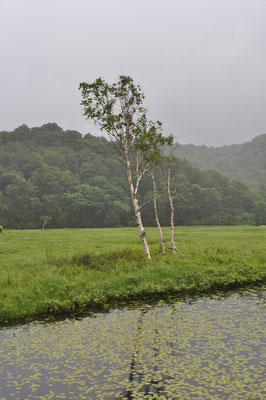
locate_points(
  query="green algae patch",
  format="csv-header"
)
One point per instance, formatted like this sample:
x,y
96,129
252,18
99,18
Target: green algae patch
x,y
67,271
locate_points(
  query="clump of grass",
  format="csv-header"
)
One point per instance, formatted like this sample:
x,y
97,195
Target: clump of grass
x,y
109,259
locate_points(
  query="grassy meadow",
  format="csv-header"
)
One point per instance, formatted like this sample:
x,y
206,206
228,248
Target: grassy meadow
x,y
69,270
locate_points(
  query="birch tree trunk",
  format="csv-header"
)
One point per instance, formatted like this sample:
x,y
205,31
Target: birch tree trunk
x,y
156,212
171,197
172,212
135,202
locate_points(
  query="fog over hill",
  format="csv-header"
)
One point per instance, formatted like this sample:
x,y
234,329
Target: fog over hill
x,y
245,162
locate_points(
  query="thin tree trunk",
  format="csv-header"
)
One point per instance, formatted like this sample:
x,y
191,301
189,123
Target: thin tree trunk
x,y
174,249
137,210
156,212
172,212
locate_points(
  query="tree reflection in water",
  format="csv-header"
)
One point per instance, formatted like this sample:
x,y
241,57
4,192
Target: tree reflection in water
x,y
147,380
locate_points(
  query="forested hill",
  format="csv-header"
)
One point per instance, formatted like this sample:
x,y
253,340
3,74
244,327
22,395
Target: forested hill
x,y
245,162
78,182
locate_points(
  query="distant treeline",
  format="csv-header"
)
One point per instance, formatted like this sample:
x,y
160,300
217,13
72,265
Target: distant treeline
x,y
246,162
78,182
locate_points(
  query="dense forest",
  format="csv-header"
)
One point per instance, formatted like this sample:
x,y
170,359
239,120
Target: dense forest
x,y
245,162
78,181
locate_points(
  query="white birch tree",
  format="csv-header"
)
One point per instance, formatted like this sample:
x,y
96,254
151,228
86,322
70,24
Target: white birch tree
x,y
118,110
172,191
155,197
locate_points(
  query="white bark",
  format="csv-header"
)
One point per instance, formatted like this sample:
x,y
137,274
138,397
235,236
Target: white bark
x,y
172,211
134,192
170,196
156,212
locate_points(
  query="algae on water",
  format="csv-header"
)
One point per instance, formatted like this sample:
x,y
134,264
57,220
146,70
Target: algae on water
x,y
207,348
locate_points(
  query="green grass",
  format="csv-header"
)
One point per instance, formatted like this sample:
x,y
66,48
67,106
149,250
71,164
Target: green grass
x,y
69,270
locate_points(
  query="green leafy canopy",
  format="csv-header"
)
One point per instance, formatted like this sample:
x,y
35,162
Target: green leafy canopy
x,y
118,109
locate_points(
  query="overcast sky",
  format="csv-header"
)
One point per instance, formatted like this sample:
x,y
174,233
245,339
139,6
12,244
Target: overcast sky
x,y
200,63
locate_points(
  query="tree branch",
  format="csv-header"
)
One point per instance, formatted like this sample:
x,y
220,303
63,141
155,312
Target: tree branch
x,y
149,201
173,248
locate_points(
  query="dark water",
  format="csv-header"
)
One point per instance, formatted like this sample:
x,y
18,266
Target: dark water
x,y
208,348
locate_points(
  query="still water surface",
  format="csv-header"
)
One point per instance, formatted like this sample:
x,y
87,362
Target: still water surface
x,y
206,348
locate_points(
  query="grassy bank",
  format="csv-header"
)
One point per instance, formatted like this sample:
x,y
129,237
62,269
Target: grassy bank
x,y
55,271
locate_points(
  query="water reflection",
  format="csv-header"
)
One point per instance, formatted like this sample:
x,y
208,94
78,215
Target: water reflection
x,y
209,348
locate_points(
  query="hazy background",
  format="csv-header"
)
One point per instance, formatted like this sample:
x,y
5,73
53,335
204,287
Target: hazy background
x,y
201,63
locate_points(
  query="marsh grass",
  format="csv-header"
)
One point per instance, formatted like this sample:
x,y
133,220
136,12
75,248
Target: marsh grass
x,y
70,270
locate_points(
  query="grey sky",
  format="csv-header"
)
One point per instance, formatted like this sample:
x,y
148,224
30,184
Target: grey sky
x,y
201,63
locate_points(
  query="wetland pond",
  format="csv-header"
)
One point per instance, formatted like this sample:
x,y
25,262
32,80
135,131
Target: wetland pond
x,y
204,348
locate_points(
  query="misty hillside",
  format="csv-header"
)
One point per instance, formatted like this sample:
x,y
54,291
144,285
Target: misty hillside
x,y
77,181
245,162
